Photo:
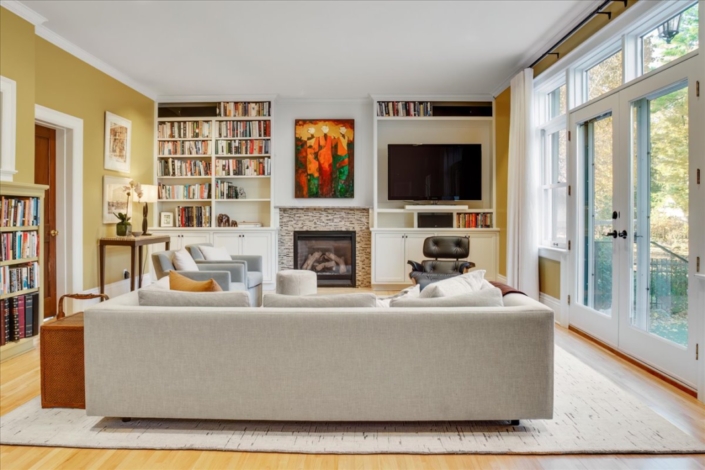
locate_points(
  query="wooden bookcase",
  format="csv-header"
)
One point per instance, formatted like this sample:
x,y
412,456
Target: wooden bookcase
x,y
23,191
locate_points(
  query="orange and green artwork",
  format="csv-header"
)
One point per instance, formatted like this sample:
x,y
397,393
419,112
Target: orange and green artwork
x,y
325,158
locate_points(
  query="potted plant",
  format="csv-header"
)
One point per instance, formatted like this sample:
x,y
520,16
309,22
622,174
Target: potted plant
x,y
124,227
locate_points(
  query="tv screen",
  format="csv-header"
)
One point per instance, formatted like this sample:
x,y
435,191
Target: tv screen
x,y
446,172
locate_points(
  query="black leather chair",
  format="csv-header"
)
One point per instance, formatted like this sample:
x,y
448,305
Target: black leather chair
x,y
454,250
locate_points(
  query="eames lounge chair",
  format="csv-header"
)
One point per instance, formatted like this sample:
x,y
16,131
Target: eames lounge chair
x,y
431,270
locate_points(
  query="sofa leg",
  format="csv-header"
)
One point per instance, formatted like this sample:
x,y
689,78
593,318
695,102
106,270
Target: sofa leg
x,y
514,422
126,420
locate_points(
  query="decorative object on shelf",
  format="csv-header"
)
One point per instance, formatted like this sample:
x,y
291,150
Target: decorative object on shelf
x,y
146,193
223,220
118,135
114,198
233,223
124,227
166,219
241,194
325,155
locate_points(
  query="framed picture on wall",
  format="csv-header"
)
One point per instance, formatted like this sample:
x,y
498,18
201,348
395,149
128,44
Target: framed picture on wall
x,y
118,137
115,198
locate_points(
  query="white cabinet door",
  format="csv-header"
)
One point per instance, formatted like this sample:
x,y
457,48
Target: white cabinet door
x,y
194,238
260,243
232,242
413,250
483,252
174,243
389,257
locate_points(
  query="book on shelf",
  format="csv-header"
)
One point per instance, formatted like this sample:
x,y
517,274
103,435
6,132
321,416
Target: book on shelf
x,y
184,130
19,277
404,108
19,318
242,147
184,191
19,212
248,129
4,321
243,167
193,216
226,190
474,220
179,167
188,147
19,245
244,109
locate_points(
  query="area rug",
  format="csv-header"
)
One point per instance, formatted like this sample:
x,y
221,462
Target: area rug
x,y
592,415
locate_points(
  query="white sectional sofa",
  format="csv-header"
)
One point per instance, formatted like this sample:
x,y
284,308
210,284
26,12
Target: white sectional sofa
x,y
326,364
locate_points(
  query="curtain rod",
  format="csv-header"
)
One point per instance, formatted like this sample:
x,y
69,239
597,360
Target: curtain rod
x,y
597,11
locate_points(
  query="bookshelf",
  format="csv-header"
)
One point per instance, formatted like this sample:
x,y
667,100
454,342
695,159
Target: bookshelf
x,y
21,266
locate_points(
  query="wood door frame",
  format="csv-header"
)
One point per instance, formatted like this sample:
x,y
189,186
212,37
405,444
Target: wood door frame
x,y
69,198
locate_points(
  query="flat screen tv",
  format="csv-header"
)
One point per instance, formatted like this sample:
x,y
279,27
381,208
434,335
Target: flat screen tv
x,y
442,172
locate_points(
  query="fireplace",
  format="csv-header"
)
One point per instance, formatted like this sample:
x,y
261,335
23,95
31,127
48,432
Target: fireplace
x,y
331,255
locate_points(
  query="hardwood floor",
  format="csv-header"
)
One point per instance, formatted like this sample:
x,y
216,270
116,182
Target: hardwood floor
x,y
19,382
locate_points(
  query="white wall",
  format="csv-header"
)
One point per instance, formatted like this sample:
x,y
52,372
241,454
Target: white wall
x,y
285,113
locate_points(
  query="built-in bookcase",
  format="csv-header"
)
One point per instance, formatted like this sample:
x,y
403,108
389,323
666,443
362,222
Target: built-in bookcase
x,y
21,266
216,163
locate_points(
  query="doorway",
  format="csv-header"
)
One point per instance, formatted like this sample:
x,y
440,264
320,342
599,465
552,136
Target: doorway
x,y
45,173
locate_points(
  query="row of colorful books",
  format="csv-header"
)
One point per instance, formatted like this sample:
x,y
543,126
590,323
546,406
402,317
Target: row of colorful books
x,y
185,191
19,212
243,167
226,190
244,109
184,129
19,277
244,129
474,220
242,147
19,318
193,216
190,147
19,245
179,167
404,108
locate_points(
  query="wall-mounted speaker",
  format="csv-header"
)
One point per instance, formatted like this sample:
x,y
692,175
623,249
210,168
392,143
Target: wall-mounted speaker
x,y
435,220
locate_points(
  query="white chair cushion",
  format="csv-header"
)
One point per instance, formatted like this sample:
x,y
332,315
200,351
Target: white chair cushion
x,y
470,282
214,253
183,261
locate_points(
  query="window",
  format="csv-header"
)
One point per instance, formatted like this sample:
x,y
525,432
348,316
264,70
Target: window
x,y
557,105
672,39
605,76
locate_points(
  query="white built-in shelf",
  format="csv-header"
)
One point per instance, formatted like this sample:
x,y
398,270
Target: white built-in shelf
x,y
23,228
434,118
433,229
249,118
10,262
183,138
184,200
436,208
243,200
243,138
244,156
185,177
19,292
228,177
215,118
208,155
392,211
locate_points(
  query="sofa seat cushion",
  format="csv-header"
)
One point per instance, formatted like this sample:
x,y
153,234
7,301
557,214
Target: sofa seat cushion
x,y
456,285
254,278
163,298
179,282
483,298
320,301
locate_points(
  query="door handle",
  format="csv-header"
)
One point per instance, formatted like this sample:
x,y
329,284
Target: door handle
x,y
612,234
622,234
54,233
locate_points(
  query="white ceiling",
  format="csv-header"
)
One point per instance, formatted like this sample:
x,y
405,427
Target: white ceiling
x,y
313,49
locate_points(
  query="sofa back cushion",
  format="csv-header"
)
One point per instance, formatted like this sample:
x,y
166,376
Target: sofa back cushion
x,y
319,301
164,298
182,283
483,298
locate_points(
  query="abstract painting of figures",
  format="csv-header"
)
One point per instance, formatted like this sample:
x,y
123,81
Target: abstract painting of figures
x,y
325,157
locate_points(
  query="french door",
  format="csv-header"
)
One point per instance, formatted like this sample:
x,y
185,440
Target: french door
x,y
630,257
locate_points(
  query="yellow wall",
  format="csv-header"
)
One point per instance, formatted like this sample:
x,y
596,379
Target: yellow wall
x,y
550,277
62,82
17,63
501,119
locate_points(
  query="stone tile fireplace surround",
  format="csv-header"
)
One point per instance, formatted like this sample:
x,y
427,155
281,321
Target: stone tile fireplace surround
x,y
355,219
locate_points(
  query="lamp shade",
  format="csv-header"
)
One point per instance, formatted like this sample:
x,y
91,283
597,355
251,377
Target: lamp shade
x,y
150,193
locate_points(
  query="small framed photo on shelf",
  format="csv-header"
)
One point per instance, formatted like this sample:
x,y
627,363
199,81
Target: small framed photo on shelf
x,y
166,219
118,136
115,198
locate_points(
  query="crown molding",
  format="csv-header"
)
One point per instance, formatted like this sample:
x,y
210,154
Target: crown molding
x,y
213,98
63,43
23,11
431,97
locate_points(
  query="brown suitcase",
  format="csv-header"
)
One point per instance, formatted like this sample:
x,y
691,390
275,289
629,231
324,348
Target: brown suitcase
x,y
61,358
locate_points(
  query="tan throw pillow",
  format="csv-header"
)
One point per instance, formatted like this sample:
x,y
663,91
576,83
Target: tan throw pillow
x,y
183,261
182,283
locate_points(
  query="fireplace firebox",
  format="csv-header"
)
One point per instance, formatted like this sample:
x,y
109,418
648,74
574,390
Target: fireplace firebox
x,y
331,255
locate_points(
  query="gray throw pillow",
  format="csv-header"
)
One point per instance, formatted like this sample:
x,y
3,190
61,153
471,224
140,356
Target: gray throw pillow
x,y
170,298
319,301
484,298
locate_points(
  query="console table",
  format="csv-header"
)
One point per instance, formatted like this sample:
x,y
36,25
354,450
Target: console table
x,y
133,243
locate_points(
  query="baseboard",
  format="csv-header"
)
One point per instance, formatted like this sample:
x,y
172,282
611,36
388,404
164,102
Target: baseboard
x,y
11,350
552,303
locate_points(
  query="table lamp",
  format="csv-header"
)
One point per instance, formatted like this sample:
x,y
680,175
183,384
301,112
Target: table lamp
x,y
146,193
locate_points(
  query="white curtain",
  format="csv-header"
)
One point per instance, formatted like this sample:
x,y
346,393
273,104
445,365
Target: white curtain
x,y
524,190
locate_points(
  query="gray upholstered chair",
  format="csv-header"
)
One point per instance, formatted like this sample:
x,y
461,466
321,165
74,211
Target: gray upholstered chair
x,y
229,275
452,249
252,265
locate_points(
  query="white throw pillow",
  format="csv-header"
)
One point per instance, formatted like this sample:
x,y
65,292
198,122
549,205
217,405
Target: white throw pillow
x,y
183,261
470,282
213,253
